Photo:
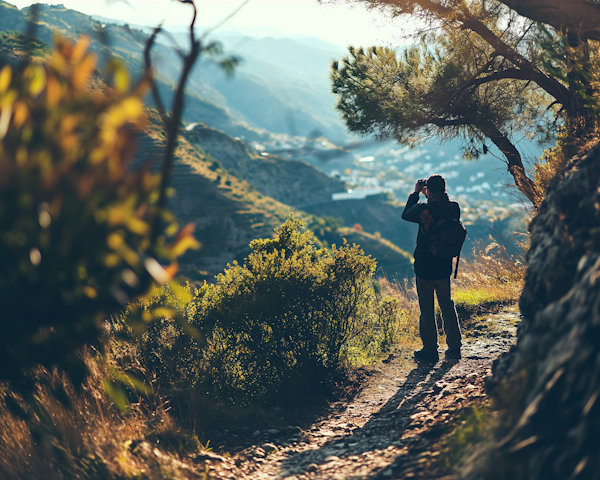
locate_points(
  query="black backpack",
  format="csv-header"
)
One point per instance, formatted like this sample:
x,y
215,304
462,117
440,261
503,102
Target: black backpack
x,y
446,236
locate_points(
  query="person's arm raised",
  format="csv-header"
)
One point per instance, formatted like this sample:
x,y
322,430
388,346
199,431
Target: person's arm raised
x,y
411,211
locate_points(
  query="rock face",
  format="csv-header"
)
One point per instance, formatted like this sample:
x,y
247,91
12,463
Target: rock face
x,y
549,383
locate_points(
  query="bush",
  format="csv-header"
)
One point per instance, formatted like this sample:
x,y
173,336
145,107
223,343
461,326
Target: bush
x,y
17,44
275,328
279,322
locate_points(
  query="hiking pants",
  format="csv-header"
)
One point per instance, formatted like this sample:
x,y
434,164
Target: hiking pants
x,y
427,324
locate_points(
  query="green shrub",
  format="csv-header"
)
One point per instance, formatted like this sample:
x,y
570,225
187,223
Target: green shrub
x,y
18,44
279,322
275,328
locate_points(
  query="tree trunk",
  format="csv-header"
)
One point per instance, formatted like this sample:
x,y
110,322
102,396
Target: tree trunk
x,y
515,164
577,15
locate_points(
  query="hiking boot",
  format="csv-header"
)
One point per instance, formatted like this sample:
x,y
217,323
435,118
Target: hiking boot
x,y
426,355
453,354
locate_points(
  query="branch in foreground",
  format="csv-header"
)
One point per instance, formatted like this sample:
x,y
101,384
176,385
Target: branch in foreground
x,y
171,121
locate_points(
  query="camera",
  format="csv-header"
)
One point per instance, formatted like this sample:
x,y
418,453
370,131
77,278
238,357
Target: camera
x,y
422,182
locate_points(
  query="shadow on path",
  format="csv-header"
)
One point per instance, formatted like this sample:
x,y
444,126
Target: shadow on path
x,y
386,427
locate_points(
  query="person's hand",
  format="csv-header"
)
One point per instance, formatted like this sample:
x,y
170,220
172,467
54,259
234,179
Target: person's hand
x,y
418,186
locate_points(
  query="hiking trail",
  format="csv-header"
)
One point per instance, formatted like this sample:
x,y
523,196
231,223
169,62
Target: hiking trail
x,y
388,430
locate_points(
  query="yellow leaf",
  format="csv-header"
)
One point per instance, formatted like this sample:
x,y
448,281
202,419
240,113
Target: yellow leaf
x,y
53,92
21,114
69,143
90,292
8,98
116,215
81,48
37,80
68,124
122,79
129,255
97,155
84,71
132,107
164,312
5,78
183,245
137,226
114,241
171,229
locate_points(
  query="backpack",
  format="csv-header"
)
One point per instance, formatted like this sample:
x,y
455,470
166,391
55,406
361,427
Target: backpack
x,y
446,236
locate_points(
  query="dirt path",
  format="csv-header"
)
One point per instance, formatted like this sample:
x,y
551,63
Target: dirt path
x,y
387,431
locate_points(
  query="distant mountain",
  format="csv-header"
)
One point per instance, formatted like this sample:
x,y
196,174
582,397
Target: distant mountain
x,y
282,84
121,41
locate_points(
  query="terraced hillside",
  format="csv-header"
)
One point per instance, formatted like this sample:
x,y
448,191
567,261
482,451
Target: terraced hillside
x,y
295,183
303,186
229,212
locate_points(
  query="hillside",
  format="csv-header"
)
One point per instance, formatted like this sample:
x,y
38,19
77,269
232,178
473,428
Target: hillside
x,y
302,186
127,44
282,85
230,191
229,211
295,183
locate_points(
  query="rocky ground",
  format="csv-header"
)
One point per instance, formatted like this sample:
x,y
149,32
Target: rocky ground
x,y
388,431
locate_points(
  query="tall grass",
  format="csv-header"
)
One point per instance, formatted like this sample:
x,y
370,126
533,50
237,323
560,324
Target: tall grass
x,y
491,275
489,278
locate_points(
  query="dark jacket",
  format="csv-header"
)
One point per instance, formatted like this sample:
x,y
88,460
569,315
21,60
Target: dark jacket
x,y
426,265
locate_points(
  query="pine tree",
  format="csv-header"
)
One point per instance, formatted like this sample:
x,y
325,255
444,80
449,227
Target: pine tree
x,y
480,71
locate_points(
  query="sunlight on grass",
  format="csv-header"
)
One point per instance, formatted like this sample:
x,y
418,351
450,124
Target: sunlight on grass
x,y
489,279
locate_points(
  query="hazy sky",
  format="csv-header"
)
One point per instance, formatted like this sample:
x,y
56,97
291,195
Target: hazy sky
x,y
341,24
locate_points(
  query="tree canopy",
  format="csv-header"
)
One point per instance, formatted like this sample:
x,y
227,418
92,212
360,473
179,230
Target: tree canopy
x,y
480,71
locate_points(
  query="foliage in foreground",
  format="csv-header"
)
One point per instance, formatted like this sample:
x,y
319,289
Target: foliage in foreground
x,y
76,222
82,434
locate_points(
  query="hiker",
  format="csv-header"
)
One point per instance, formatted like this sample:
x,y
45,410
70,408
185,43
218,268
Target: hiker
x,y
433,272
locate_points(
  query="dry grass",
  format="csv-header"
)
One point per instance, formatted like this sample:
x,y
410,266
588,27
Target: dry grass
x,y
83,435
490,275
490,278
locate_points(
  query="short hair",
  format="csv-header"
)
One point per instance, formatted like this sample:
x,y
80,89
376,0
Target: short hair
x,y
436,184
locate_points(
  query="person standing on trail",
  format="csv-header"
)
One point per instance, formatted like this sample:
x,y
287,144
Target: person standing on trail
x,y
433,272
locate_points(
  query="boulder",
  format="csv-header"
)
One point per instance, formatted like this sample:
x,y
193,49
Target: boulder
x,y
549,383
